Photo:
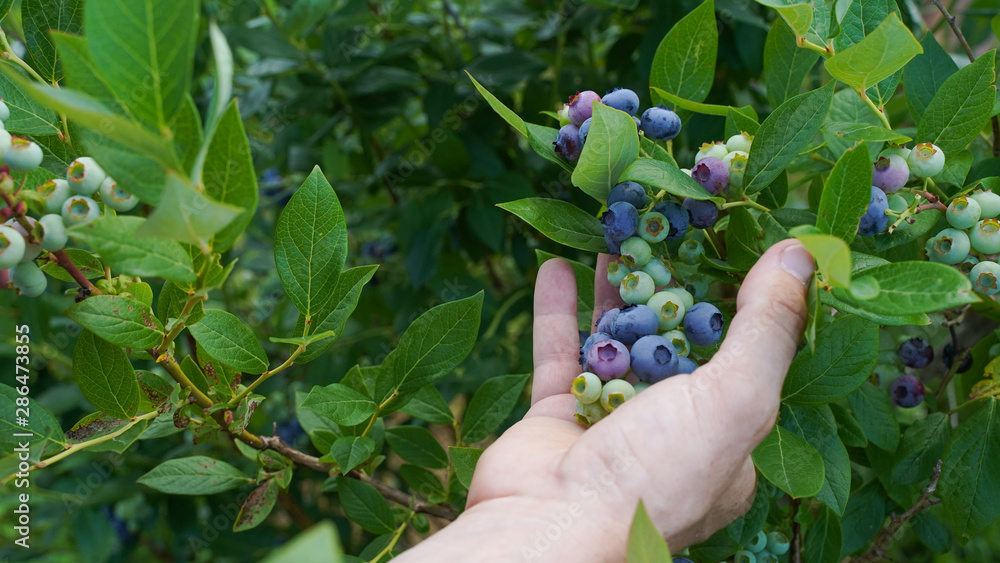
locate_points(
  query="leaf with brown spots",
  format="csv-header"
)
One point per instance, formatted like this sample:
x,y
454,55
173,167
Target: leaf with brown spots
x,y
257,506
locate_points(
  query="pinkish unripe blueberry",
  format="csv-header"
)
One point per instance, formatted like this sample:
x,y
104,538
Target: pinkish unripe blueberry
x,y
608,359
711,173
581,106
890,173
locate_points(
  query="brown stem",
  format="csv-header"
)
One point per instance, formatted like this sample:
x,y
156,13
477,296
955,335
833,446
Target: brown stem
x,y
795,551
884,537
935,205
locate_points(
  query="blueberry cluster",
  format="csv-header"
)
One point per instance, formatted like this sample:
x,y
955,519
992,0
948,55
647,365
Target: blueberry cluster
x,y
972,240
657,123
907,390
894,168
59,203
763,548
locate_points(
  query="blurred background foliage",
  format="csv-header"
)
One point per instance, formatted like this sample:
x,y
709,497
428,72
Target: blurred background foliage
x,y
375,92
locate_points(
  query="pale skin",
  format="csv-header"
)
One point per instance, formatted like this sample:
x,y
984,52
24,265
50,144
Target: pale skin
x,y
547,490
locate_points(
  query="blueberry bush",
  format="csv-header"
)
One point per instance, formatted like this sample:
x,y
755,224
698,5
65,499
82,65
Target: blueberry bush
x,y
266,265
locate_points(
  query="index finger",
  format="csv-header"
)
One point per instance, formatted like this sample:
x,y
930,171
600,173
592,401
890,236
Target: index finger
x,y
555,334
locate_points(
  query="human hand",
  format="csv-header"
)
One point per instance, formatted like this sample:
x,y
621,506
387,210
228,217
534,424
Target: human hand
x,y
548,490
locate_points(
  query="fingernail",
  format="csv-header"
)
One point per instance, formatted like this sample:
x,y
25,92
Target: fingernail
x,y
797,261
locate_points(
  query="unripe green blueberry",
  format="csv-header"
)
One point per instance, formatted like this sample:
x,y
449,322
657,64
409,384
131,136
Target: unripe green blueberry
x,y
950,246
586,387
697,288
23,155
79,209
758,543
55,192
744,556
29,280
653,227
926,160
563,114
616,392
669,309
985,236
740,142
113,196
898,150
737,163
767,557
85,176
989,204
590,414
637,287
31,249
11,247
984,276
5,140
4,111
691,251
642,386
54,232
657,270
966,265
679,340
777,543
617,272
684,295
635,252
717,149
963,212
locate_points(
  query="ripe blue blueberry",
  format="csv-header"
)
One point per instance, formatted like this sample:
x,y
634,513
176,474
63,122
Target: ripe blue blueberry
x,y
676,216
614,247
653,227
606,319
984,276
609,359
637,287
963,212
926,160
889,173
620,221
584,131
950,246
758,543
654,359
985,236
703,324
79,209
660,123
586,388
777,543
685,365
85,176
567,142
669,308
691,251
23,155
616,392
874,220
581,106
28,279
632,323
989,203
635,252
617,272
711,173
54,232
717,149
907,391
703,213
622,99
950,353
915,353
657,270
740,142
679,340
11,247
55,192
113,196
629,192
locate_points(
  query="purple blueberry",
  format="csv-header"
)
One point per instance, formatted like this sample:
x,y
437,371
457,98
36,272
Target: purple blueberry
x,y
676,215
711,173
620,221
633,322
660,123
685,365
589,343
703,324
915,353
874,220
907,391
890,173
584,131
629,192
608,359
568,142
622,99
703,213
654,359
581,106
607,317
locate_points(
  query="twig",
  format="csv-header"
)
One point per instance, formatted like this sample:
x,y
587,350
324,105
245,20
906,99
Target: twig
x,y
795,553
884,537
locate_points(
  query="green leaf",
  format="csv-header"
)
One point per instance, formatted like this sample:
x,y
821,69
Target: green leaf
x,y
304,340
339,403
365,506
584,275
464,460
428,405
417,445
87,263
105,376
823,538
848,427
228,340
790,463
187,215
932,532
81,74
561,221
874,413
114,238
743,237
195,475
696,107
817,426
970,485
846,352
783,135
833,256
876,57
684,64
861,18
46,434
510,117
38,17
738,122
351,451
645,542
421,480
430,348
189,137
333,315
542,140
846,194
863,518
912,288
921,447
662,176
311,244
798,16
229,175
321,538
491,405
119,320
145,51
864,132
961,107
141,172
925,74
27,115
612,144
745,528
257,506
786,66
